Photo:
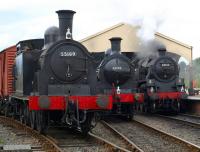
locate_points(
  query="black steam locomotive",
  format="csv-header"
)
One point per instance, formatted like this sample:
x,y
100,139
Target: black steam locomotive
x,y
56,83
116,77
58,80
158,79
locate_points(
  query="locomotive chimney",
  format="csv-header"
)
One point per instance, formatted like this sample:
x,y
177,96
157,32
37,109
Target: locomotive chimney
x,y
162,51
160,48
115,44
65,23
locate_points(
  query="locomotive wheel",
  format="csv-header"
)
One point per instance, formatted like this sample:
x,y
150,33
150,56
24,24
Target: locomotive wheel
x,y
94,120
141,107
40,121
86,125
130,117
130,111
21,113
26,115
7,110
32,119
145,109
137,107
178,107
153,107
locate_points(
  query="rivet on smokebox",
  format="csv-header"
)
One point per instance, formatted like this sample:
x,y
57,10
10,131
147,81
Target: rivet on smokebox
x,y
44,102
102,101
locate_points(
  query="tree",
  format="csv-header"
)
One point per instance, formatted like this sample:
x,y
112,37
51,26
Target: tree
x,y
196,71
182,66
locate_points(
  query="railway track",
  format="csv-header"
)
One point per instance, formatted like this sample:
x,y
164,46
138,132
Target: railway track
x,y
126,136
190,115
44,142
181,129
149,138
70,141
109,133
187,119
60,139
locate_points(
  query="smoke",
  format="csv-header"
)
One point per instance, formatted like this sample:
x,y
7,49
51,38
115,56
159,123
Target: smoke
x,y
148,26
146,33
149,48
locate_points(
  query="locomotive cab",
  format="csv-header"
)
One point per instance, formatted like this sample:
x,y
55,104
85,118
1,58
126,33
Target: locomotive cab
x,y
28,52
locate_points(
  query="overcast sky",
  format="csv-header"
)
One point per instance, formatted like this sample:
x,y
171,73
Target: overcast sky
x,y
24,19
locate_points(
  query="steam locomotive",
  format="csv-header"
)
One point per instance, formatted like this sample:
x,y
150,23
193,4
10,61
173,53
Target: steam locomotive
x,y
116,77
158,78
56,83
58,80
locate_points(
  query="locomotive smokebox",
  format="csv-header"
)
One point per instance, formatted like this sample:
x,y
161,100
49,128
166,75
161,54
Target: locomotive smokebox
x,y
115,44
65,23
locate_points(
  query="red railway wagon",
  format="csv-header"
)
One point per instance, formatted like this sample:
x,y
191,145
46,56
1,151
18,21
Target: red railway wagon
x,y
7,58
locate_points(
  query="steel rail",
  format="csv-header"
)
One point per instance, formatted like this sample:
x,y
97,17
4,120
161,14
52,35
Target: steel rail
x,y
190,145
50,144
193,124
111,146
188,115
130,145
46,143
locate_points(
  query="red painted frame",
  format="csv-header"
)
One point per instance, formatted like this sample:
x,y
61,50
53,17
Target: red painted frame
x,y
168,95
84,102
59,103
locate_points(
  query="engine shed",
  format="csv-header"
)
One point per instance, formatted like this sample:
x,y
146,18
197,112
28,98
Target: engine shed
x,y
100,41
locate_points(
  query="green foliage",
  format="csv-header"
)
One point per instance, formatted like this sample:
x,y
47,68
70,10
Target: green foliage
x,y
196,70
197,60
1,141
